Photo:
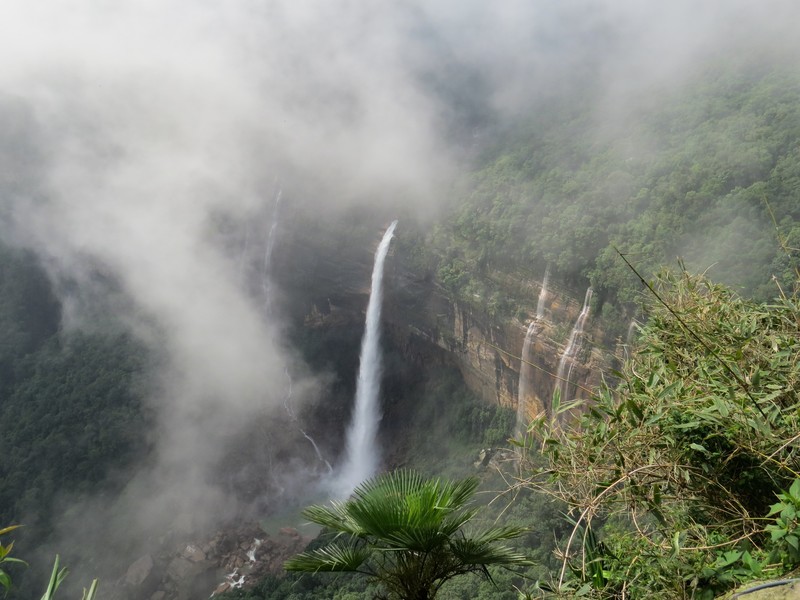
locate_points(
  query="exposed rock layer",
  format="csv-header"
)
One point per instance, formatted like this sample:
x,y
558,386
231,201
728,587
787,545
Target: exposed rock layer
x,y
429,327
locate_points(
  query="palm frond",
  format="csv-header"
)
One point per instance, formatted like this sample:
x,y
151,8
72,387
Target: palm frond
x,y
401,526
397,483
472,552
462,491
496,534
336,517
331,558
455,521
417,539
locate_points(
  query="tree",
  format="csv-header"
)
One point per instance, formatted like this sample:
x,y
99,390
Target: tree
x,y
407,532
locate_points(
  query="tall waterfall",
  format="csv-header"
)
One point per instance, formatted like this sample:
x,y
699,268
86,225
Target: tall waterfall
x,y
567,362
525,368
361,460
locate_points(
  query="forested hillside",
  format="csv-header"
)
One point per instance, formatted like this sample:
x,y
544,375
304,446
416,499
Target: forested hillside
x,y
707,171
708,176
71,409
188,222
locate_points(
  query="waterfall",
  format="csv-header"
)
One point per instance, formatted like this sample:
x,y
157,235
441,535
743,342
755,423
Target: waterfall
x,y
266,279
525,368
567,362
629,337
266,288
361,460
288,405
543,294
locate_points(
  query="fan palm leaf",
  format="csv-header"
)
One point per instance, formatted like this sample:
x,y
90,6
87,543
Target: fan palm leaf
x,y
331,558
408,532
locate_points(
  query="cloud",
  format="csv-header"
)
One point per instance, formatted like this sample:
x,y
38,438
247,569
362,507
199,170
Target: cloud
x,y
137,131
131,129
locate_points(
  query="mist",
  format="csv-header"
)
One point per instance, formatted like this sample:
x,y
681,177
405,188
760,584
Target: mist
x,y
147,126
132,130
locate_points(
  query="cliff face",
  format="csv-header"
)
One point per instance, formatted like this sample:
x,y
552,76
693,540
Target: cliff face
x,y
424,319
429,328
424,329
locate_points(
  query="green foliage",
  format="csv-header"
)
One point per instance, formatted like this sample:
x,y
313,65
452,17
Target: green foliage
x,y
57,575
6,558
71,406
407,532
675,468
76,410
784,531
29,311
440,425
486,424
500,428
688,175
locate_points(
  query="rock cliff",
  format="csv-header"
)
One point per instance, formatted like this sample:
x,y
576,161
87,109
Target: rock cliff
x,y
429,326
429,323
425,327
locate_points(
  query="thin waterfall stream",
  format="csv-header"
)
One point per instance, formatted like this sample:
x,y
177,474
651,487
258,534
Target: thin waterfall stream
x,y
526,369
266,288
266,279
361,451
574,344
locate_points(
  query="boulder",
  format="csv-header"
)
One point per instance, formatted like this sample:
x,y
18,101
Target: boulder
x,y
141,578
140,571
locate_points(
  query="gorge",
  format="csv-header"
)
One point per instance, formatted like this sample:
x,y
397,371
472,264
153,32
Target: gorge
x,y
208,322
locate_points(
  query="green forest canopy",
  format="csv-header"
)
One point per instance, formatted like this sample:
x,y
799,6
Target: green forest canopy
x,y
700,174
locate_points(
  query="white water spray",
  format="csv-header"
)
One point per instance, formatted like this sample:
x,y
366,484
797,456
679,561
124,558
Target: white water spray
x,y
361,459
525,367
567,362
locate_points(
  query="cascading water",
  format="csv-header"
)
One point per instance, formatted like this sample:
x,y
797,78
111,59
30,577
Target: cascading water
x,y
525,368
288,405
266,287
524,377
543,295
629,337
266,279
567,362
361,459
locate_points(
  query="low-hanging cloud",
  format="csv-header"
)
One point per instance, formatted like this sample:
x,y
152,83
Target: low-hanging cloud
x,y
148,122
137,127
132,127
